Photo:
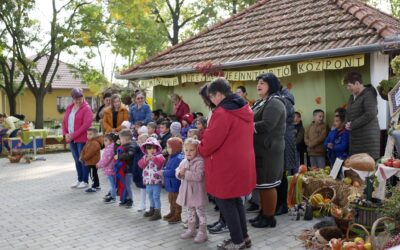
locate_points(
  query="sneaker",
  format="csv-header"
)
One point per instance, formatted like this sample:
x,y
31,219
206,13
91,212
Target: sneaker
x,y
253,208
109,200
82,185
213,224
75,185
107,196
219,229
122,203
91,190
129,203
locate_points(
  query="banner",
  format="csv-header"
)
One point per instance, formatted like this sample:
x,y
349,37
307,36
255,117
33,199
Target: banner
x,y
330,64
282,71
173,81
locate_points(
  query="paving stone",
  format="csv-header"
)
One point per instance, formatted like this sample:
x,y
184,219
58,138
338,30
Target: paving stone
x,y
39,210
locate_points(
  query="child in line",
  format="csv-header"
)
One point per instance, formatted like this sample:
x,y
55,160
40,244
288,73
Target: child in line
x,y
90,156
186,125
193,133
201,125
152,163
107,165
125,125
165,133
127,155
315,135
152,129
138,172
337,142
172,184
300,145
176,129
192,192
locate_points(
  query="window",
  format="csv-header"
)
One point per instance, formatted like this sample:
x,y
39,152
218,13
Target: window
x,y
62,103
92,102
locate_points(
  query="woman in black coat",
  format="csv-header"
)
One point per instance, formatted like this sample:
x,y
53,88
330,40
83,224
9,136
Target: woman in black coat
x,y
269,146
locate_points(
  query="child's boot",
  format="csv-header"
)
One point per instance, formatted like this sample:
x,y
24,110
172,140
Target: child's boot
x,y
190,232
176,218
149,213
156,215
171,208
201,234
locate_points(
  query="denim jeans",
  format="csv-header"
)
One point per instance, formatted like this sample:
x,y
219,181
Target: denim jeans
x,y
113,189
317,161
128,183
81,170
154,191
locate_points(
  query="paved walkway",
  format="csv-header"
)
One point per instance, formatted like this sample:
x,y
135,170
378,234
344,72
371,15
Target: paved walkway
x,y
38,210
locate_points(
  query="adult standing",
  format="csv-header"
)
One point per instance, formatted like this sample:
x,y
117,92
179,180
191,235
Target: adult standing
x,y
361,117
227,146
115,115
269,146
242,92
77,119
139,110
100,112
180,107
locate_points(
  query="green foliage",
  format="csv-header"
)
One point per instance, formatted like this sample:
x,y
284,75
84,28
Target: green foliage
x,y
391,205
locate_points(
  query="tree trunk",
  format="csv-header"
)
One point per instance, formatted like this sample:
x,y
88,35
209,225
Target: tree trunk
x,y
39,110
12,102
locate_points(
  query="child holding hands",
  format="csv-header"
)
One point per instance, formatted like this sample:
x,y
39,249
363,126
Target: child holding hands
x,y
192,192
107,164
152,163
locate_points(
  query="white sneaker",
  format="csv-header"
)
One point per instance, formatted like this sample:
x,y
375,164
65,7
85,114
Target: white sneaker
x,y
75,184
82,185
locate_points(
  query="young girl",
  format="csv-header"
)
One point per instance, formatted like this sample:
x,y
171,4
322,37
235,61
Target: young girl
x,y
152,163
201,125
107,164
192,192
138,172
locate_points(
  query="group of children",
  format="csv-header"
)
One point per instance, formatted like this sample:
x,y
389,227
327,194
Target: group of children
x,y
153,156
318,142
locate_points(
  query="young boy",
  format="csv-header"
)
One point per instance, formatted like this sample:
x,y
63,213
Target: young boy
x,y
90,156
314,138
165,133
152,129
129,146
300,145
337,142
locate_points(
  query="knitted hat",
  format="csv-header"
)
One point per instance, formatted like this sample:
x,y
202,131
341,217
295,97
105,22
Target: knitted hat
x,y
175,143
188,118
143,130
151,141
76,92
126,124
175,128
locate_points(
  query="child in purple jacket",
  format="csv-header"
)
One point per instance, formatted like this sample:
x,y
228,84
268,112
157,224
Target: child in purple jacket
x,y
107,164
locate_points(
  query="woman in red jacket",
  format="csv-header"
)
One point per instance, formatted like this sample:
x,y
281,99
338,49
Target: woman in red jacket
x,y
77,119
227,147
180,107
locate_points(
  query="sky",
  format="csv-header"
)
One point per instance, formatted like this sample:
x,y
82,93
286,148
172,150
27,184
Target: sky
x,y
43,14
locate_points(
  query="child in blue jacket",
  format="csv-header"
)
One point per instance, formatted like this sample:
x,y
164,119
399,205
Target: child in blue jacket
x,y
172,184
337,142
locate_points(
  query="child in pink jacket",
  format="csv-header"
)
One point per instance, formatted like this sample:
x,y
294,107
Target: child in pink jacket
x,y
192,192
107,164
152,163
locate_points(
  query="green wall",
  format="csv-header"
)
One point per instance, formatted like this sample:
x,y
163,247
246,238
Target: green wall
x,y
305,87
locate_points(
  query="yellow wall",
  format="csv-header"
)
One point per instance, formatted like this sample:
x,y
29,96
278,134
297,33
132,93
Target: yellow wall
x,y
26,104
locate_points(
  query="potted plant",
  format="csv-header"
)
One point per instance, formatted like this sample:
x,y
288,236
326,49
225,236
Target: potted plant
x,y
385,86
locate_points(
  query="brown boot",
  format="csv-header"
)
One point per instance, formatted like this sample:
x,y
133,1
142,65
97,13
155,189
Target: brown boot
x,y
171,208
176,218
149,213
156,215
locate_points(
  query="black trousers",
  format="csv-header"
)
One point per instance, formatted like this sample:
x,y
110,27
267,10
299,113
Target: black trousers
x,y
282,191
235,218
94,176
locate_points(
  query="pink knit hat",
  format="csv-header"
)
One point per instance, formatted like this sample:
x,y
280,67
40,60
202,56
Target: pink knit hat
x,y
151,141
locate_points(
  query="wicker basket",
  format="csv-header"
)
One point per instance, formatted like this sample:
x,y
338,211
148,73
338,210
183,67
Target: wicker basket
x,y
311,184
352,231
385,233
366,216
342,224
326,192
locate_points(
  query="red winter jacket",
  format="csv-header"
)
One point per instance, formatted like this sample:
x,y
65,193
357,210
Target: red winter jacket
x,y
83,121
227,147
181,109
